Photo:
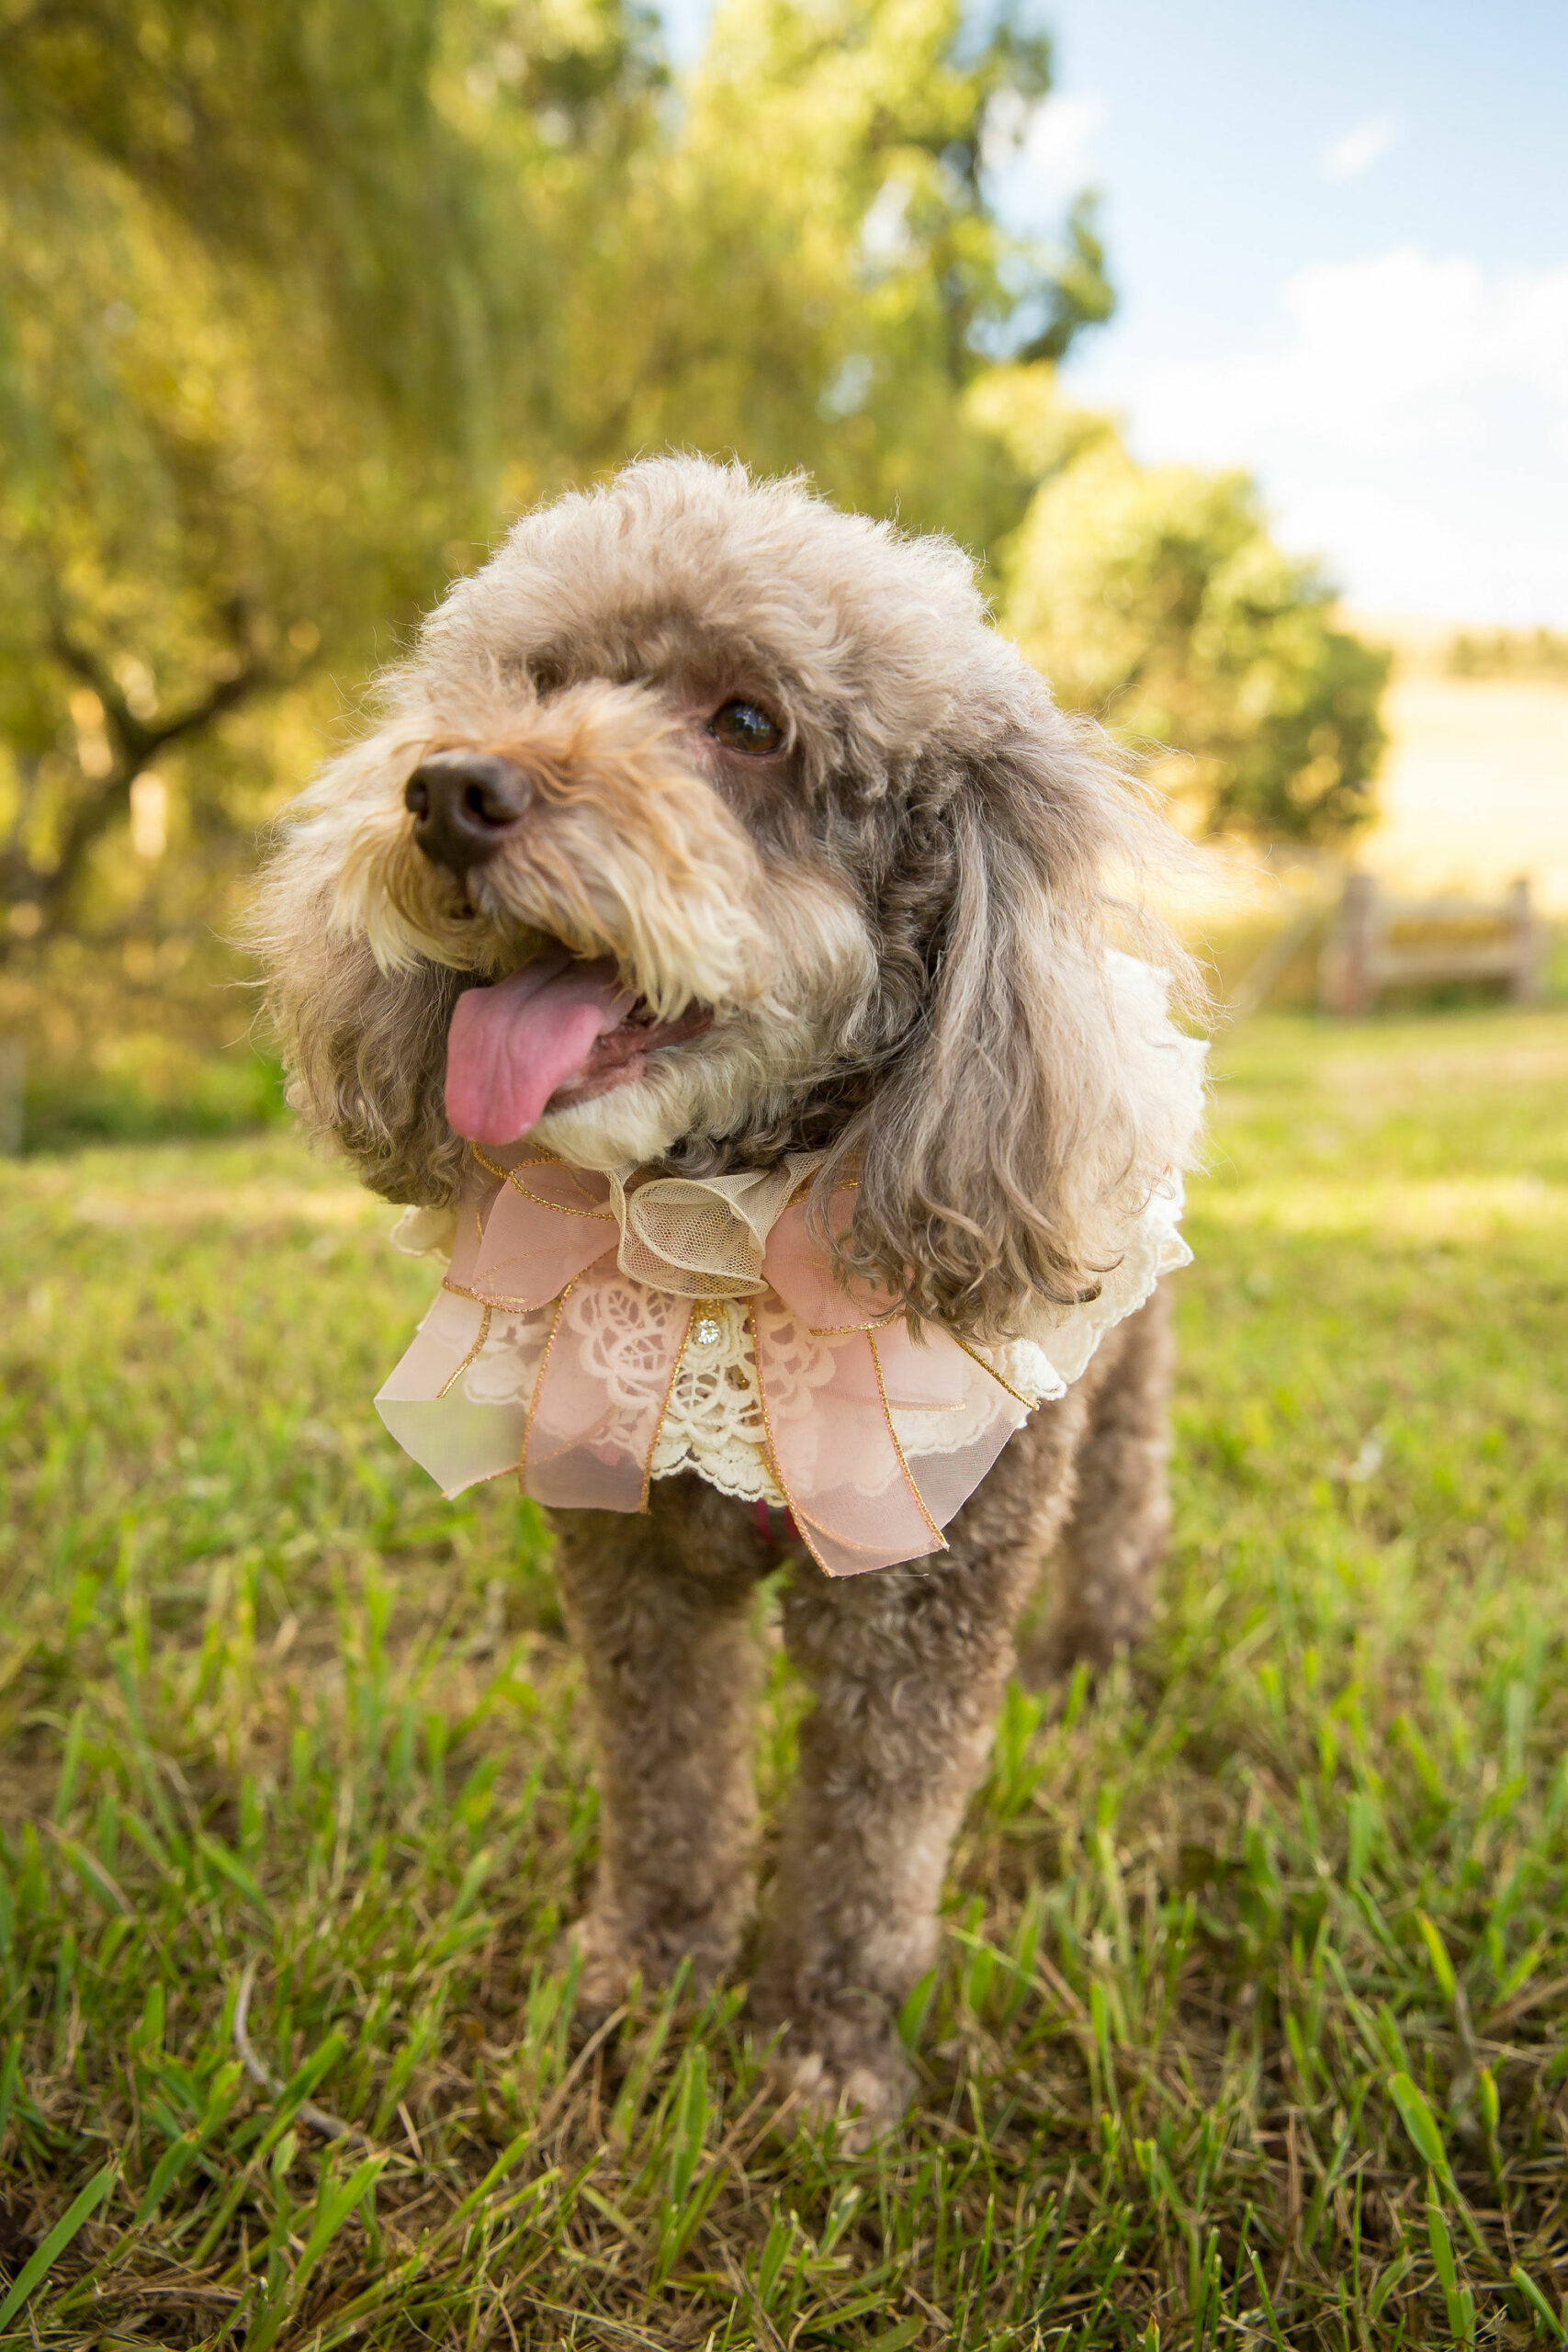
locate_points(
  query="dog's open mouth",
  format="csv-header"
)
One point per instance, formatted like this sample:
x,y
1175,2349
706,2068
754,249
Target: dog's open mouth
x,y
559,1030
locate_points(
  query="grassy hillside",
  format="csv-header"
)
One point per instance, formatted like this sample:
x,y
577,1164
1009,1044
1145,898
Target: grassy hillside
x,y
1474,787
1253,2022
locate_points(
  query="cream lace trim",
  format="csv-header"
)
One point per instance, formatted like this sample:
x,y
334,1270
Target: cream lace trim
x,y
713,1423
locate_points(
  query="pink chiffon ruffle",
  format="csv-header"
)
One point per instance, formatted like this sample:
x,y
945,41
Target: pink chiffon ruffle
x,y
875,1434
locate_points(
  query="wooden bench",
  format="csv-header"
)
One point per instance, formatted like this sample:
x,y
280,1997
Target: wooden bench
x,y
1376,942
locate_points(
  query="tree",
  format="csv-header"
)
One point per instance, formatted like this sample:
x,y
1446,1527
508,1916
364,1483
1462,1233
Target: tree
x,y
819,278
266,295
1155,598
188,513
304,140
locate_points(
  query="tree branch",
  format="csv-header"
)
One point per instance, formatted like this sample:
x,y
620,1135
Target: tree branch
x,y
138,741
134,743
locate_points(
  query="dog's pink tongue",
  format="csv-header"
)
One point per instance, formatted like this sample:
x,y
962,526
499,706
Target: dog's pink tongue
x,y
510,1045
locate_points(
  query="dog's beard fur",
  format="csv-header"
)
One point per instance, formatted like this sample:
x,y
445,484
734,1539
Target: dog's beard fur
x,y
903,942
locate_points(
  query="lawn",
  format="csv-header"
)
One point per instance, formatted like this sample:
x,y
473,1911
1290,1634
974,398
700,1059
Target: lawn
x,y
1252,2027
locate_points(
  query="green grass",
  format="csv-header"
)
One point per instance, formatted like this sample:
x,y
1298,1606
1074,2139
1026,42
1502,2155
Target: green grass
x,y
1253,2023
130,1097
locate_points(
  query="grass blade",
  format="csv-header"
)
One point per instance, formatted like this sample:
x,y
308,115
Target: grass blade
x,y
1539,2303
49,2252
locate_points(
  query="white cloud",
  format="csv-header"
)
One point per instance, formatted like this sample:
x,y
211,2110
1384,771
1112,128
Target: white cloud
x,y
1401,352
1059,144
1360,149
1412,421
1046,147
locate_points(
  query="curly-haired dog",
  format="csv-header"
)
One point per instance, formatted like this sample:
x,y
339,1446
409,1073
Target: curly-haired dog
x,y
713,835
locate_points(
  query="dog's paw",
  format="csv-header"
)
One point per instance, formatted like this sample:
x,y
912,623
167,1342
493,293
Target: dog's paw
x,y
609,1960
861,2096
605,1963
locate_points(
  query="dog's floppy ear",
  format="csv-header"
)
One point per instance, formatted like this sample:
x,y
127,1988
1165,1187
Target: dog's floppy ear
x,y
1040,1095
365,1049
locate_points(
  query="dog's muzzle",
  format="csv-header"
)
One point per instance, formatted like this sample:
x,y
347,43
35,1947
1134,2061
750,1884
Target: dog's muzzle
x,y
463,805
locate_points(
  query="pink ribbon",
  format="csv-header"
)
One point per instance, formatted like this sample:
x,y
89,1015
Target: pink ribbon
x,y
876,1435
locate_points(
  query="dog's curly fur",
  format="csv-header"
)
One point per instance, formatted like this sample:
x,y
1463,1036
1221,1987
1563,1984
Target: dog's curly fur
x,y
900,919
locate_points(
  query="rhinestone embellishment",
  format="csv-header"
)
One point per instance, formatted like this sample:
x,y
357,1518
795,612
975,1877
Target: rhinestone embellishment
x,y
708,1330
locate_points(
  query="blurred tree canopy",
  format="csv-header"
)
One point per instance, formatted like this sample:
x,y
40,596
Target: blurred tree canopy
x,y
1157,600
266,292
1513,653
299,301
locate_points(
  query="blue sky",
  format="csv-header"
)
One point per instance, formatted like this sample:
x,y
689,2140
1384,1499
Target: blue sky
x,y
1340,237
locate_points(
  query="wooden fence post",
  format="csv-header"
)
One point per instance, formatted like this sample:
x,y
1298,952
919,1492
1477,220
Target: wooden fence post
x,y
13,1076
1346,973
1525,985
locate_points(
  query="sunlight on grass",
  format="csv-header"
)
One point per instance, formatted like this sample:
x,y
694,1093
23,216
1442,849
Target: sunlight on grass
x,y
1459,1209
1253,2022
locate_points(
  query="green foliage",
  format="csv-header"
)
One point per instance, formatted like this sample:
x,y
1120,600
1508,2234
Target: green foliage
x,y
1155,598
807,271
1250,2025
189,514
145,1086
270,282
1512,653
319,145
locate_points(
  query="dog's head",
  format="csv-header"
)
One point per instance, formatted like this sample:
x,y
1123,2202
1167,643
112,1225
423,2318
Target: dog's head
x,y
770,843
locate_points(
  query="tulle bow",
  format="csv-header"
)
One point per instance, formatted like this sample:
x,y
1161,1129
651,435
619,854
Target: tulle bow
x,y
875,1435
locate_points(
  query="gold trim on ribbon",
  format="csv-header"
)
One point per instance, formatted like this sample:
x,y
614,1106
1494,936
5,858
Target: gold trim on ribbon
x,y
909,1478
974,1357
801,1527
452,1377
664,1404
507,1306
851,1330
561,1298
562,1208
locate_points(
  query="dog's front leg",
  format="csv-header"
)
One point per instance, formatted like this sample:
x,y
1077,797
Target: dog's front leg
x,y
906,1667
662,1608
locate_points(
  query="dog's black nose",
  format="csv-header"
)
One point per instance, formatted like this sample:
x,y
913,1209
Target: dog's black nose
x,y
464,804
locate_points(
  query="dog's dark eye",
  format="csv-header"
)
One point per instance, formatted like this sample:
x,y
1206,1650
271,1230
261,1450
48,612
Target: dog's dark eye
x,y
742,726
